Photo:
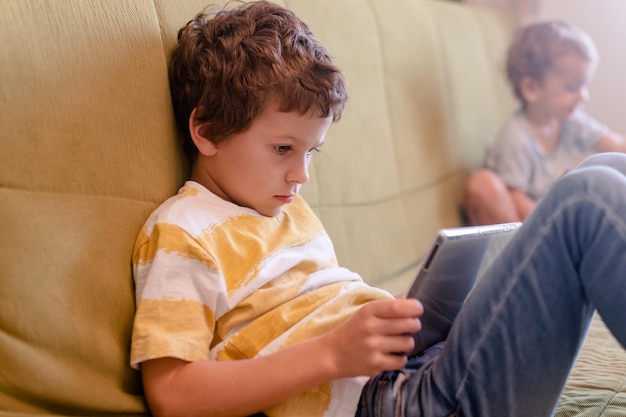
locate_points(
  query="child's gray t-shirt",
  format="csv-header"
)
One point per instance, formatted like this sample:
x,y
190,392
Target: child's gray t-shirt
x,y
516,157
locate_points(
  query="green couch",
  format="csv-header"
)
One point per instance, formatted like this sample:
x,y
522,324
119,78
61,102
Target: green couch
x,y
89,149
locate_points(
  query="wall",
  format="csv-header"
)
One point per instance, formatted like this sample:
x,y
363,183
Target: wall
x,y
524,8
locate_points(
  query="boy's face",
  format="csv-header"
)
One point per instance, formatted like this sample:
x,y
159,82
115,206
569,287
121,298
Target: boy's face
x,y
264,167
563,89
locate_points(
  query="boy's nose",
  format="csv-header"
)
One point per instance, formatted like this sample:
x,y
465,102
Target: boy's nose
x,y
583,94
299,173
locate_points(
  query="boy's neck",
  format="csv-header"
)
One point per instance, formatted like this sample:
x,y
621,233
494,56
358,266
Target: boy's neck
x,y
547,130
538,118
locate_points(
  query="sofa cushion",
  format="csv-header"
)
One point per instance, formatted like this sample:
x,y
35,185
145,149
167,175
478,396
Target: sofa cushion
x,y
88,150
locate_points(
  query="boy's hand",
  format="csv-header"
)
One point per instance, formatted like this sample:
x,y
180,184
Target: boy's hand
x,y
369,342
376,338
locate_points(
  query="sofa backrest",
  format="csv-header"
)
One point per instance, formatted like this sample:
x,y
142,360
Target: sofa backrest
x,y
89,149
427,91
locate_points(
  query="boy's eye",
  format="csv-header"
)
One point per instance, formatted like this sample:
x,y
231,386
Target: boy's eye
x,y
310,152
282,149
572,88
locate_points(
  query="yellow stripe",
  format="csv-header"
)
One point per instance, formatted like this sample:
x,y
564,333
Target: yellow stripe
x,y
335,312
188,191
170,327
235,243
241,251
273,311
171,239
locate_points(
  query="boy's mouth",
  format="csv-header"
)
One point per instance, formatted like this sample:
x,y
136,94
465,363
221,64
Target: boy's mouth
x,y
285,199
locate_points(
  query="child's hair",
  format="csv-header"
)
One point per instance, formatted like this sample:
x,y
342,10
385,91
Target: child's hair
x,y
231,61
536,46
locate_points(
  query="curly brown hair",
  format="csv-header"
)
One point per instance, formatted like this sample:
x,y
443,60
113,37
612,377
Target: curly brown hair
x,y
536,46
230,61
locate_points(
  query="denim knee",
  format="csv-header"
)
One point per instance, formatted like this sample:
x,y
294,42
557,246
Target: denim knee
x,y
615,160
597,175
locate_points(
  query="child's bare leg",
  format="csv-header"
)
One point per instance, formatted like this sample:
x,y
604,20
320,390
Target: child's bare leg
x,y
488,200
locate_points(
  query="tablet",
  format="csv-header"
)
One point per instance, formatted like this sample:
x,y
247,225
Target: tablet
x,y
448,272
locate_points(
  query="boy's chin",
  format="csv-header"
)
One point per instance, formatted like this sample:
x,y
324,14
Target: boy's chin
x,y
269,212
571,113
564,117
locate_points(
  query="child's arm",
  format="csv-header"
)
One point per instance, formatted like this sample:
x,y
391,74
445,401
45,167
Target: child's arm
x,y
363,345
611,142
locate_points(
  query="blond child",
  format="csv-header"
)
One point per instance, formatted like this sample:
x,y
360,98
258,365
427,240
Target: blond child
x,y
550,64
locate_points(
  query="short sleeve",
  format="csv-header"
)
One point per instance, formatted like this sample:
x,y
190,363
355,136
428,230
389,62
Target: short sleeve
x,y
177,289
583,131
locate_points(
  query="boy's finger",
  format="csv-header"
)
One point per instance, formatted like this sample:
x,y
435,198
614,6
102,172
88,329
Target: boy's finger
x,y
397,308
402,326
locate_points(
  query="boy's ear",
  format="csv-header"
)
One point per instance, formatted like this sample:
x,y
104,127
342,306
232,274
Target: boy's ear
x,y
197,131
529,87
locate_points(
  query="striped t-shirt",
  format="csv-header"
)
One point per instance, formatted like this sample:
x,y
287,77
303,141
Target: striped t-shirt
x,y
216,281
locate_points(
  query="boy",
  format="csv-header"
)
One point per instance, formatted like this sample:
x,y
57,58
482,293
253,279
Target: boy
x,y
242,308
550,64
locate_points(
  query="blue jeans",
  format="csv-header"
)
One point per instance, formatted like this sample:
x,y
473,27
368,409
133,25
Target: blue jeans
x,y
514,342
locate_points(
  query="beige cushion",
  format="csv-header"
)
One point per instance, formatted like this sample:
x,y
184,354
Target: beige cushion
x,y
88,150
